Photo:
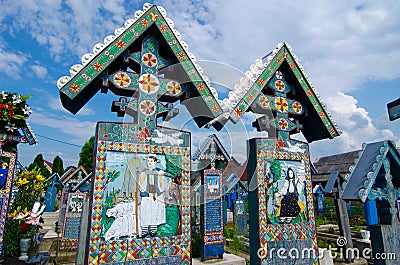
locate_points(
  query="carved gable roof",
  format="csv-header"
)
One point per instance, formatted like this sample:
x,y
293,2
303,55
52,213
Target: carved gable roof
x,y
317,122
108,57
376,160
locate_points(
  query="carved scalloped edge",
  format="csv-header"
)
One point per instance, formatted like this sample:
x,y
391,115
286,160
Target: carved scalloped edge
x,y
352,167
99,47
247,81
370,174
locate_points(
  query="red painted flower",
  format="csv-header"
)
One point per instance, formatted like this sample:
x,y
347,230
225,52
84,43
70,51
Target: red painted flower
x,y
238,112
120,44
163,28
215,108
10,107
260,81
181,55
283,124
144,22
74,88
11,115
291,65
278,60
201,86
97,66
2,106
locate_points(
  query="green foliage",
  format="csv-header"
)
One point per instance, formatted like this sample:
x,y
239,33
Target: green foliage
x,y
113,175
86,155
31,186
196,244
57,166
276,169
38,163
237,242
108,204
11,238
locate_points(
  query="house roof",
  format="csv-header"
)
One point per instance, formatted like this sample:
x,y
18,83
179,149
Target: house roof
x,y
71,172
328,164
242,173
317,122
83,184
229,175
365,169
48,164
85,79
206,144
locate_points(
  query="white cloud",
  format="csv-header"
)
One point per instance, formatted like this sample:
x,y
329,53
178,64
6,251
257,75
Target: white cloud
x,y
39,71
11,63
357,126
66,27
81,130
55,104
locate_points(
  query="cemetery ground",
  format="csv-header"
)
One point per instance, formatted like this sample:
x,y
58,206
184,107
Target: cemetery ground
x,y
239,245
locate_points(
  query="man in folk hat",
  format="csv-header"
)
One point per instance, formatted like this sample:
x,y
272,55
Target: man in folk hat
x,y
151,187
3,174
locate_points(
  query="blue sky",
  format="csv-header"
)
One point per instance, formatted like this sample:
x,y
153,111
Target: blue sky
x,y
349,49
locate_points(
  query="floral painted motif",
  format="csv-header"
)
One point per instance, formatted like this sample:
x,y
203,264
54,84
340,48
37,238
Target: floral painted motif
x,y
279,75
144,22
281,104
173,87
279,85
264,101
163,28
238,112
297,107
147,107
143,135
154,17
122,79
148,83
283,124
181,55
74,88
120,44
97,66
149,59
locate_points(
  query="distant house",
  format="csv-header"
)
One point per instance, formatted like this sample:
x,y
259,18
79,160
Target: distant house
x,y
324,166
48,165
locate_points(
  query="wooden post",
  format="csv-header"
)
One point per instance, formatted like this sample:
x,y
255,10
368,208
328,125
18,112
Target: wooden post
x,y
80,253
344,226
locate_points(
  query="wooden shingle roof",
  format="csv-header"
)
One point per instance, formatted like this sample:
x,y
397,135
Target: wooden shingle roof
x,y
327,164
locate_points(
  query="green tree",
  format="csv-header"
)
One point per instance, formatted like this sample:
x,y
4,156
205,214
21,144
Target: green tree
x,y
57,166
86,155
38,162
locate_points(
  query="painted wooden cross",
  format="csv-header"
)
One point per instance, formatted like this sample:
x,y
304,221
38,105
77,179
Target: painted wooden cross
x,y
145,87
281,105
